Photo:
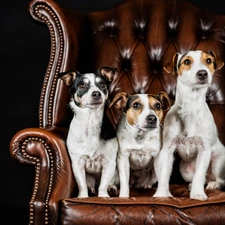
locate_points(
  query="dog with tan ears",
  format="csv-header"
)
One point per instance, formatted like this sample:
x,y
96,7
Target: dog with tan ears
x,y
139,138
189,127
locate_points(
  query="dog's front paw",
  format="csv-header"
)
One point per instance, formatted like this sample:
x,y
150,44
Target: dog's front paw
x,y
198,196
82,196
161,193
124,194
103,194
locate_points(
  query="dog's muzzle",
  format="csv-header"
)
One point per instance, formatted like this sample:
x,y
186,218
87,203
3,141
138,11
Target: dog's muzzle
x,y
202,76
96,95
96,99
151,121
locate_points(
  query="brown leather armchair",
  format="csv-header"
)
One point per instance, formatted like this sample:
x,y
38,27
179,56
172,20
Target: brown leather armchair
x,y
138,37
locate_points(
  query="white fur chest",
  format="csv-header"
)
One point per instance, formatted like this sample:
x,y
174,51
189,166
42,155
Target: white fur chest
x,y
84,142
141,147
195,121
193,112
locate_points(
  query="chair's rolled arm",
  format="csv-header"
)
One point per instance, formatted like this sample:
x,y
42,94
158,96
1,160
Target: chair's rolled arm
x,y
46,151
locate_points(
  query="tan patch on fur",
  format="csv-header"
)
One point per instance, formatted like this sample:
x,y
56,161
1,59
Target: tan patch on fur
x,y
152,101
204,59
183,66
132,114
77,99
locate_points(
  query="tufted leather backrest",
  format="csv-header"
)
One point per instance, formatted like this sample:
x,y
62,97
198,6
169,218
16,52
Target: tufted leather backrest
x,y
138,37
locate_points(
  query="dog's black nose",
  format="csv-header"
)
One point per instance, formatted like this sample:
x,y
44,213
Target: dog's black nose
x,y
202,75
151,119
96,95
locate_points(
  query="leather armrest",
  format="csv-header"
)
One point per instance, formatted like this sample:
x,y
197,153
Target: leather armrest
x,y
46,151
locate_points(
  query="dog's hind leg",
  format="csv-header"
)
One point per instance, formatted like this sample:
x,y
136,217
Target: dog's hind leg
x,y
216,175
187,171
91,180
146,179
152,179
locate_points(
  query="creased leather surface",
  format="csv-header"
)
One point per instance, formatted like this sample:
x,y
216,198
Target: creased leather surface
x,y
144,209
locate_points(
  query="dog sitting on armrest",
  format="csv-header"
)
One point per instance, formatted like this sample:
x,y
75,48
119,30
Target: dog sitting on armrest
x,y
139,138
92,153
189,127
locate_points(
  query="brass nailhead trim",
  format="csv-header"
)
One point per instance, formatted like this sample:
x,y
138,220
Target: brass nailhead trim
x,y
39,7
37,177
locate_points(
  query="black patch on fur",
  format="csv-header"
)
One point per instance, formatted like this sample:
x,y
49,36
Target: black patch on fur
x,y
130,100
74,86
103,79
107,130
81,77
178,65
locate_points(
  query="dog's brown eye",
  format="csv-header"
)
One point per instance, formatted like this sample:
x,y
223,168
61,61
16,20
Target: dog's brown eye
x,y
157,106
136,105
81,85
208,60
187,61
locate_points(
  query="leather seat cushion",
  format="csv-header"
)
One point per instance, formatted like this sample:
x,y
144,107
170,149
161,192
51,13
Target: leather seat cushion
x,y
142,208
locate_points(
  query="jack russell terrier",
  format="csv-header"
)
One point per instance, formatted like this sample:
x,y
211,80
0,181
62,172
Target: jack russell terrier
x,y
92,152
189,127
139,138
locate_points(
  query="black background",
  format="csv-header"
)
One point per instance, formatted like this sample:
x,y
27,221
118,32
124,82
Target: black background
x,y
25,47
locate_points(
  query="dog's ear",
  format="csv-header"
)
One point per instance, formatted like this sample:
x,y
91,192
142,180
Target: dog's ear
x,y
119,101
108,72
219,63
171,67
68,77
166,101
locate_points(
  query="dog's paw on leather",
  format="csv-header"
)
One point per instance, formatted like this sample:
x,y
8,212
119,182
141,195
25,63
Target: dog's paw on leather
x,y
82,196
103,195
162,194
200,196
